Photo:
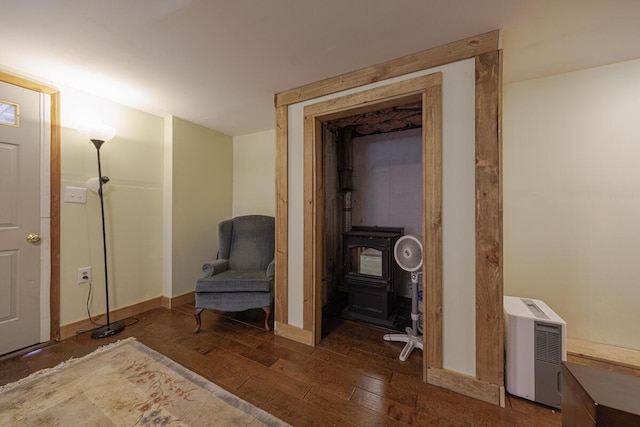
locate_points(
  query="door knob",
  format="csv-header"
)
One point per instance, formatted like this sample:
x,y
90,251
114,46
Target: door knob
x,y
34,238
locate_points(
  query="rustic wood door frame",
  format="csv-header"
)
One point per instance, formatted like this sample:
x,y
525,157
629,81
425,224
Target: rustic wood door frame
x,y
428,90
488,384
54,176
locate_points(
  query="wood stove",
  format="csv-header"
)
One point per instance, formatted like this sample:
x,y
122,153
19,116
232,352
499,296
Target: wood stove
x,y
371,274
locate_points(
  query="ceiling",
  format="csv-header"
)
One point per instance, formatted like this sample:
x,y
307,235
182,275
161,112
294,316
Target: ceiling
x,y
219,63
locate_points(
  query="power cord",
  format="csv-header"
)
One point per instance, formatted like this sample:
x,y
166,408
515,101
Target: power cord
x,y
89,295
128,321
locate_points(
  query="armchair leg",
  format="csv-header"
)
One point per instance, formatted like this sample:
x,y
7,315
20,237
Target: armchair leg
x,y
267,314
198,319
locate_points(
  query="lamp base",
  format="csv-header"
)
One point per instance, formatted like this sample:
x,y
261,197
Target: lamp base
x,y
108,330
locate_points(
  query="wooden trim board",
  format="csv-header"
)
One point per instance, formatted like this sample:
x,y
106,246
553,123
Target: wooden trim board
x,y
441,55
281,298
171,302
55,218
27,84
609,354
378,98
467,385
293,333
432,226
428,88
122,313
489,247
309,265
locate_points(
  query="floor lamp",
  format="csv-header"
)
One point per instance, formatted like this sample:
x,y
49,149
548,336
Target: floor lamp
x,y
99,134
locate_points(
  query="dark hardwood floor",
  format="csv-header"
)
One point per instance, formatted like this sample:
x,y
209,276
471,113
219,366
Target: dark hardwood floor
x,y
352,378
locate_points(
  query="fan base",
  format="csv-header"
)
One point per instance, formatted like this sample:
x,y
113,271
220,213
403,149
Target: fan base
x,y
411,339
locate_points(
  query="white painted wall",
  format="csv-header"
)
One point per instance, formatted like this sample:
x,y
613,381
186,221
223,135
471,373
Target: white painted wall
x,y
387,179
254,174
133,206
202,197
572,198
458,210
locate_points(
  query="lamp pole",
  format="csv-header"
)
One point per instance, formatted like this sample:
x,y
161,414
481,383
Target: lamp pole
x,y
115,327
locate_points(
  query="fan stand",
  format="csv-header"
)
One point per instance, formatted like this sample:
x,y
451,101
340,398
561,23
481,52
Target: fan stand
x,y
412,337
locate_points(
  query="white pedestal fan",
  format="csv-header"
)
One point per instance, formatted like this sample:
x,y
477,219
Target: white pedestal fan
x,y
408,254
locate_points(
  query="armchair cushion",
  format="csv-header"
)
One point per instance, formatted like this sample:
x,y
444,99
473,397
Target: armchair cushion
x,y
236,281
233,301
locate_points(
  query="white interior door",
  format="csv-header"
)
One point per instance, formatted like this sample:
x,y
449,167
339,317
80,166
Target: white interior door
x,y
20,227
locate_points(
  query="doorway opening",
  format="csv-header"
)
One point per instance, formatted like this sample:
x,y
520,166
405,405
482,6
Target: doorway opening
x,y
425,91
372,169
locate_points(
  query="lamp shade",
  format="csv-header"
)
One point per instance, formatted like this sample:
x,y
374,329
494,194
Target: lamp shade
x,y
93,184
98,132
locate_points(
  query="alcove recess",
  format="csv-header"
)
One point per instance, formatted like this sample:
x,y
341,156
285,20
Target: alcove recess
x,y
339,136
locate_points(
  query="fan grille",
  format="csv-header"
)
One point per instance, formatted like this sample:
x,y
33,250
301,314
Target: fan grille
x,y
408,253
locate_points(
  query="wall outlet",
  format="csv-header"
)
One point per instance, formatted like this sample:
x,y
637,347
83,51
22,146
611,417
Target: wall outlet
x,y
84,275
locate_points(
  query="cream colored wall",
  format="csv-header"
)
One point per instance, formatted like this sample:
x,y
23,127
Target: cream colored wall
x,y
202,196
458,225
254,174
572,199
133,207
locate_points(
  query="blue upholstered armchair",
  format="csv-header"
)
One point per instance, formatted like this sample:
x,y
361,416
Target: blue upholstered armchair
x,y
242,276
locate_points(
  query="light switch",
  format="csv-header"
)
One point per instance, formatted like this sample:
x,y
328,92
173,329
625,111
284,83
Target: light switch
x,y
75,195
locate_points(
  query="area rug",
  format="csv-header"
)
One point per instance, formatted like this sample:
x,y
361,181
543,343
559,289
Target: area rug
x,y
124,384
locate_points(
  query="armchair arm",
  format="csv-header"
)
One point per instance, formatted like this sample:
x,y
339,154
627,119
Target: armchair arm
x,y
271,269
214,267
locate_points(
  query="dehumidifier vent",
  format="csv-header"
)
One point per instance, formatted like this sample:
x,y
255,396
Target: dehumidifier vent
x,y
535,310
548,343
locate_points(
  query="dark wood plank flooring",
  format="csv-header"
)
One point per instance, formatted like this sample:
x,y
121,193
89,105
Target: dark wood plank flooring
x,y
352,378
